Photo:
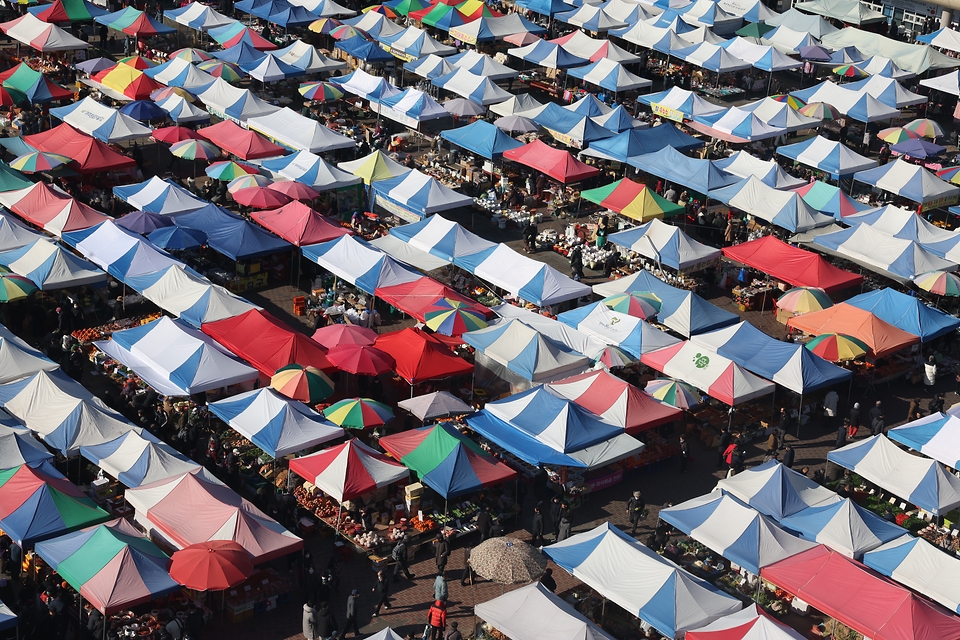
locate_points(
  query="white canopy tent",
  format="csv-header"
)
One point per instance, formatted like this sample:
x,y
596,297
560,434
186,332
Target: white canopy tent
x,y
175,359
534,612
744,164
18,359
289,128
137,459
777,491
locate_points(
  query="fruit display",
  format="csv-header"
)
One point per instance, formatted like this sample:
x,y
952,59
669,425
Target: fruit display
x,y
281,479
104,331
423,525
370,540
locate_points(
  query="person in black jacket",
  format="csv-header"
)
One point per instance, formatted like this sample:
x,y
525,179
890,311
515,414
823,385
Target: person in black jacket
x,y
635,507
555,508
382,589
725,439
576,263
547,580
788,456
442,552
325,625
484,522
536,529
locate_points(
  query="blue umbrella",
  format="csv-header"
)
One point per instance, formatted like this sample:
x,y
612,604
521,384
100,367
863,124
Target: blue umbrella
x,y
144,221
177,238
143,110
918,148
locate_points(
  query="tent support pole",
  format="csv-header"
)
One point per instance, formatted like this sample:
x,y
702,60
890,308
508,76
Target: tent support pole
x,y
799,416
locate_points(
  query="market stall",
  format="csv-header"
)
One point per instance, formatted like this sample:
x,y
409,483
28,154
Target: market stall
x,y
843,526
776,491
624,331
138,459
666,245
530,611
920,565
792,265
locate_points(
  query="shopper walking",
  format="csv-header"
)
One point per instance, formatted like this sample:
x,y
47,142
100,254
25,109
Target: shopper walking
x,y
437,619
351,622
382,589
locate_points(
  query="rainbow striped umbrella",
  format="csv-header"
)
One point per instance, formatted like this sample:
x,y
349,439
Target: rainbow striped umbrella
x,y
220,69
358,413
14,287
793,101
804,300
246,181
940,283
924,127
850,71
195,150
837,347
229,170
38,161
382,9
820,111
673,392
345,32
320,91
307,384
454,317
895,135
950,174
191,55
324,25
639,304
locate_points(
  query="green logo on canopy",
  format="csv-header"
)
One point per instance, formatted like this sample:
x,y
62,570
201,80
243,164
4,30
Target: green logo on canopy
x,y
701,361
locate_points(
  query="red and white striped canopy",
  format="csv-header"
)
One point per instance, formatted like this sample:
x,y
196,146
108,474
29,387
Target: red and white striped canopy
x,y
348,470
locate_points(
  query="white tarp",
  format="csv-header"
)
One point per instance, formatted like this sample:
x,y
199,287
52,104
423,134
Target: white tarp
x,y
572,338
776,491
533,612
783,208
744,164
289,128
50,266
222,98
18,359
919,565
910,57
528,278
138,459
100,121
176,360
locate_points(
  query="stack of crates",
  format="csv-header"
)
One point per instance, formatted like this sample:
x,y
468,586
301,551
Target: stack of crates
x,y
300,306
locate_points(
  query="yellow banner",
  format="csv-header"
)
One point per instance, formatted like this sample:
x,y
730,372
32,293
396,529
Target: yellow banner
x,y
463,37
565,139
666,112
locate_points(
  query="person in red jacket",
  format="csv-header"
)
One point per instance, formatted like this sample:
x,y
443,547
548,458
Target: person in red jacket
x,y
437,619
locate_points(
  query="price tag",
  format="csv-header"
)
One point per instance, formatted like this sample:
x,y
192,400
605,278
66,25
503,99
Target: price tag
x,y
420,514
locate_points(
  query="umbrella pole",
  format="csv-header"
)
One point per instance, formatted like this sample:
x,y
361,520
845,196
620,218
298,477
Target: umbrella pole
x,y
799,416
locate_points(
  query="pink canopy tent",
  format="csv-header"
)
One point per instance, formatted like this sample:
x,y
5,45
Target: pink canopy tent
x,y
196,508
615,400
299,225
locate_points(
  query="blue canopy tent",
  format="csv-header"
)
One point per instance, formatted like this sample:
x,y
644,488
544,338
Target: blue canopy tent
x,y
912,182
581,133
788,364
143,110
826,155
667,244
274,423
242,53
921,566
50,266
557,117
8,619
157,195
231,235
645,584
548,54
284,14
363,49
481,138
683,311
935,436
119,251
137,459
441,237
638,142
544,7
735,531
843,526
359,263
920,481
776,491
419,193
618,120
177,238
701,176
628,333
906,312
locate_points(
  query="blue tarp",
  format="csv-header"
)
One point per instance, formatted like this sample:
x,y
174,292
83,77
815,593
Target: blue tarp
x,y
231,235
785,363
906,312
637,142
545,7
701,176
776,491
242,53
843,526
935,436
481,138
613,327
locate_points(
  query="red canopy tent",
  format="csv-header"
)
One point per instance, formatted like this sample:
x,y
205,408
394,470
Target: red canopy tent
x,y
298,224
860,598
420,357
791,264
90,155
556,163
414,298
243,143
54,210
266,343
349,470
616,400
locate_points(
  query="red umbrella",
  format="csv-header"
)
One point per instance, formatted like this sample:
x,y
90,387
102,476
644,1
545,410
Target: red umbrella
x,y
172,135
261,198
211,566
294,189
361,360
343,334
